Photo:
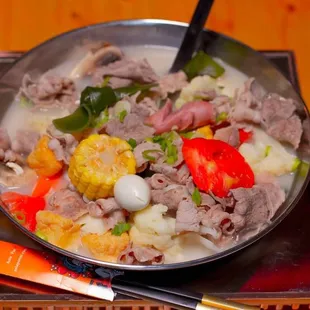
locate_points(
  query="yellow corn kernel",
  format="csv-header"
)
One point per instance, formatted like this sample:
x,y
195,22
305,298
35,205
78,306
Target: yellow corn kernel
x,y
205,132
98,162
106,247
43,160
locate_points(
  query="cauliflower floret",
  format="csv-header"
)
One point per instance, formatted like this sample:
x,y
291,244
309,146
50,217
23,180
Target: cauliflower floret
x,y
197,84
160,242
151,220
92,225
152,228
265,154
106,247
58,230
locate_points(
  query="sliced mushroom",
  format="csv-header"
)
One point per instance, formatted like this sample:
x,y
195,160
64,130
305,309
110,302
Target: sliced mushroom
x,y
96,58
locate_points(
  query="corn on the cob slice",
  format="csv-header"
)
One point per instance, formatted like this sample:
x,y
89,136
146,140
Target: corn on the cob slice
x,y
43,160
205,132
98,162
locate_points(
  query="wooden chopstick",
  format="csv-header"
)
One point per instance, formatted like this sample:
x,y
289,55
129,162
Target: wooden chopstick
x,y
176,297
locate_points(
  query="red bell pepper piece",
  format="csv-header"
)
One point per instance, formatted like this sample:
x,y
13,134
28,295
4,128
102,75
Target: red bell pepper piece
x,y
24,208
216,166
44,185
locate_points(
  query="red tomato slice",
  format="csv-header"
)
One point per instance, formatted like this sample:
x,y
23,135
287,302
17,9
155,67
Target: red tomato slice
x,y
216,166
24,208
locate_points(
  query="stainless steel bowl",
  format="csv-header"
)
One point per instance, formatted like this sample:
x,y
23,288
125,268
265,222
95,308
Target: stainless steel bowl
x,y
164,33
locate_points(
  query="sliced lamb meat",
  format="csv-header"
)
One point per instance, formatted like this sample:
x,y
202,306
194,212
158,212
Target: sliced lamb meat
x,y
288,131
132,127
216,217
222,104
279,120
153,148
49,91
229,135
159,181
247,104
257,205
190,116
138,71
275,108
108,209
63,145
138,255
101,207
179,176
172,83
116,82
68,204
5,141
187,218
170,196
144,108
25,141
113,218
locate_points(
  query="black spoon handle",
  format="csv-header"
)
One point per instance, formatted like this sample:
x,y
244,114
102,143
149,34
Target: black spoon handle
x,y
188,45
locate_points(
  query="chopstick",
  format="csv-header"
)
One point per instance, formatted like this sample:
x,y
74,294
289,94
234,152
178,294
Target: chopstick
x,y
194,29
180,299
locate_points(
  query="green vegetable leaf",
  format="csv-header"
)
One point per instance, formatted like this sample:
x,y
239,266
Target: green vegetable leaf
x,y
203,62
267,150
105,81
40,235
121,92
77,121
122,115
98,99
221,117
187,135
196,197
120,228
132,142
147,156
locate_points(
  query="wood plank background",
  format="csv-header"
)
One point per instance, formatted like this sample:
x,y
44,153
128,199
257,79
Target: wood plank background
x,y
262,24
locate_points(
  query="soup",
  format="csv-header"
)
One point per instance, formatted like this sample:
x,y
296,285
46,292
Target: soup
x,y
112,157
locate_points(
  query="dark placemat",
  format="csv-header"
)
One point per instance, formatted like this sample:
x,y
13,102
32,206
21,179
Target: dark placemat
x,y
277,266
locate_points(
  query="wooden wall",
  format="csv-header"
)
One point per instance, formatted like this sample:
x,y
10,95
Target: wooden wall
x,y
262,24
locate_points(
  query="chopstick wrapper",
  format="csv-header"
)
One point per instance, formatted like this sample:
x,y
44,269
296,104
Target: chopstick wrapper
x,y
45,268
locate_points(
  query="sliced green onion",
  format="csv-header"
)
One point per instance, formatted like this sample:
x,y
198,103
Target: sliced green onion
x,y
132,142
102,119
146,154
267,150
121,92
304,168
296,164
25,102
120,228
106,81
187,135
40,235
203,62
172,153
20,217
221,117
122,115
196,197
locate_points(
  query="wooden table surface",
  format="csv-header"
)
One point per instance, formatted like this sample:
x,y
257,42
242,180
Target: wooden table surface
x,y
262,24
